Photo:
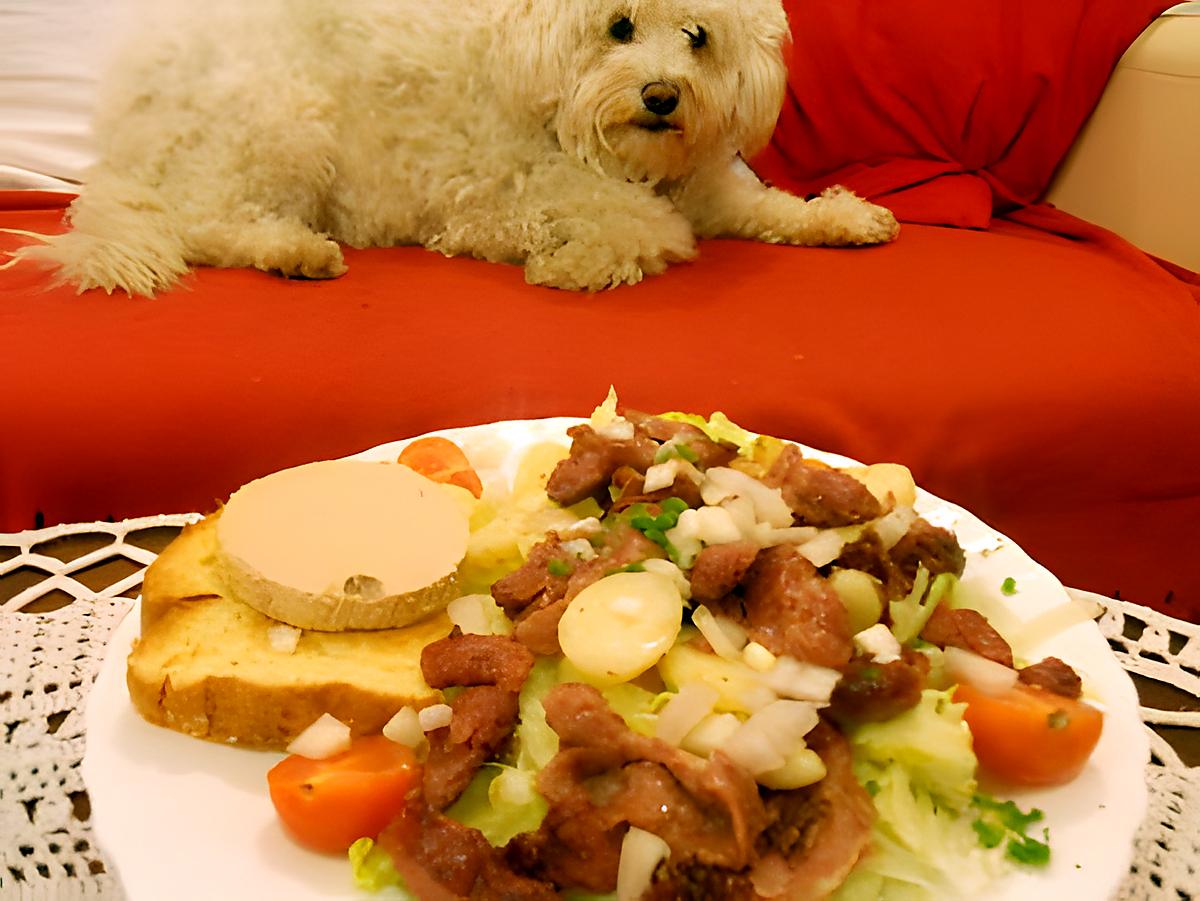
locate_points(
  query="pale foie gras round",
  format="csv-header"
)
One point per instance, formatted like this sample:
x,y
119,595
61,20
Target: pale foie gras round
x,y
342,544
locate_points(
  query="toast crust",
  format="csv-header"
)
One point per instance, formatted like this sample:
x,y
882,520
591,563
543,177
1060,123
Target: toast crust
x,y
204,666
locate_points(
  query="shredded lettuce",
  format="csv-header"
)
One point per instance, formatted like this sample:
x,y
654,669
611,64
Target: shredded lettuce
x,y
910,615
500,801
374,872
718,427
919,768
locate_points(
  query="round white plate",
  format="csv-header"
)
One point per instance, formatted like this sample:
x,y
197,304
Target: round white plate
x,y
187,819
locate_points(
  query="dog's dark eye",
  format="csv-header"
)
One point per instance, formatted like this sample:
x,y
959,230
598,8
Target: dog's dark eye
x,y
621,30
699,37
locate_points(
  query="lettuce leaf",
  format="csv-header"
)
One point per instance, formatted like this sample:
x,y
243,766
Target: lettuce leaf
x,y
373,870
910,615
718,427
501,801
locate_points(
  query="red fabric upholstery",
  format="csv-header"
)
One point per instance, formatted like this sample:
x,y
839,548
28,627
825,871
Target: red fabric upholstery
x,y
943,112
1049,384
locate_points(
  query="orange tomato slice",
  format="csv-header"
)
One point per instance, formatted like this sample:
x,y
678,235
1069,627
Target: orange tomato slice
x,y
326,805
441,460
1030,736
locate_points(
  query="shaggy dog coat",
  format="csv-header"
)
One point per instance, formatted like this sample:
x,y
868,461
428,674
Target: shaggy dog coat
x,y
589,140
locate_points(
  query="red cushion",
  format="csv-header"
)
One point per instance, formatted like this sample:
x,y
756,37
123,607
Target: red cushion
x,y
943,111
1051,385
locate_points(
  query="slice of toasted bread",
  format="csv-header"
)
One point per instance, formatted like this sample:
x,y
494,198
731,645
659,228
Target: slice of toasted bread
x,y
204,664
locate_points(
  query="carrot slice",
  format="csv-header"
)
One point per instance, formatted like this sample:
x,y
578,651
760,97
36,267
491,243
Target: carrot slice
x,y
441,460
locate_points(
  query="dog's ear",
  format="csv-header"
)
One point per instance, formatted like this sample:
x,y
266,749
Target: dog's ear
x,y
535,42
762,79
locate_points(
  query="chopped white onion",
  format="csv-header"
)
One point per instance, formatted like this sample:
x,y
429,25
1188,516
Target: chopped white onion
x,y
801,681
986,675
585,528
579,548
619,429
769,537
641,852
663,475
894,526
283,638
879,642
684,711
741,511
469,614
324,738
751,748
757,657
721,482
765,741
435,716
404,728
724,641
672,572
802,767
710,733
824,548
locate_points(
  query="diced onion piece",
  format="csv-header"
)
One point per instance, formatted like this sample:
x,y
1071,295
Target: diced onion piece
x,y
724,642
513,786
802,767
580,548
884,479
986,675
687,708
661,475
585,528
404,728
740,688
715,525
641,853
721,482
710,733
741,511
672,572
861,595
752,749
825,547
283,638
619,429
800,681
757,657
768,537
468,613
765,741
324,738
435,716
620,626
879,642
894,526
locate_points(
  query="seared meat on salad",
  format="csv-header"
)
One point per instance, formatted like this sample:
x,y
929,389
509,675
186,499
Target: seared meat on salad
x,y
720,568
969,630
482,720
594,458
819,495
870,691
476,660
1054,676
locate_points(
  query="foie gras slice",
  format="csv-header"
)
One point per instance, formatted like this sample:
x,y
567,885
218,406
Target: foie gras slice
x,y
342,544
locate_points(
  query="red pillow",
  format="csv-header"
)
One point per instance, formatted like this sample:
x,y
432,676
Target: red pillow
x,y
944,112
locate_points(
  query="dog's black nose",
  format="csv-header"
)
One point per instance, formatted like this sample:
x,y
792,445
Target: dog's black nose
x,y
660,98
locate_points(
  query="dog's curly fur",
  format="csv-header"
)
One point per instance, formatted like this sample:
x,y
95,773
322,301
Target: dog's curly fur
x,y
590,140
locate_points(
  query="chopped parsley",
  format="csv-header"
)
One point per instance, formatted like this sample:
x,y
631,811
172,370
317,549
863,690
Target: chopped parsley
x,y
670,451
1001,821
1008,587
656,527
559,568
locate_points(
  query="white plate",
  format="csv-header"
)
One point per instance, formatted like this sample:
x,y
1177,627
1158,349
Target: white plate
x,y
186,819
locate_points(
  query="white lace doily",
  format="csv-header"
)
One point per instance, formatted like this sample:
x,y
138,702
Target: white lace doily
x,y
49,657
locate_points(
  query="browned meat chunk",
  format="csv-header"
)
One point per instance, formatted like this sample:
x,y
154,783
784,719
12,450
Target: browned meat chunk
x,y
632,486
720,568
791,609
606,776
708,452
815,838
476,660
589,469
483,718
1054,676
537,624
442,860
933,547
870,692
969,630
534,580
819,495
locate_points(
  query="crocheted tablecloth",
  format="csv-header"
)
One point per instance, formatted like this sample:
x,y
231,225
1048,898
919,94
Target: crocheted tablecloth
x,y
64,590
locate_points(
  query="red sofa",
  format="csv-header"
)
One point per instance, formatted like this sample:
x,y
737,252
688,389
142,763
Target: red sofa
x,y
1041,372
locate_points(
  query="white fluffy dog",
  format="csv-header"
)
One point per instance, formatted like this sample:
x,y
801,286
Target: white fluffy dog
x,y
590,140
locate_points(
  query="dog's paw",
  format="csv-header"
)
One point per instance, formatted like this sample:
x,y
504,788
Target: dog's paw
x,y
317,259
848,219
594,265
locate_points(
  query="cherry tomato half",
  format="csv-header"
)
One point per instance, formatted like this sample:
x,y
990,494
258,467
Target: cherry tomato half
x,y
1030,736
328,804
441,460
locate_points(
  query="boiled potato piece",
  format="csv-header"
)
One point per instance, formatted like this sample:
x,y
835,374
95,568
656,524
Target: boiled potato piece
x,y
862,594
884,479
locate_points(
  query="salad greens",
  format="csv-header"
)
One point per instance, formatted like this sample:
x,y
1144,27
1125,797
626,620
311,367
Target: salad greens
x,y
374,872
